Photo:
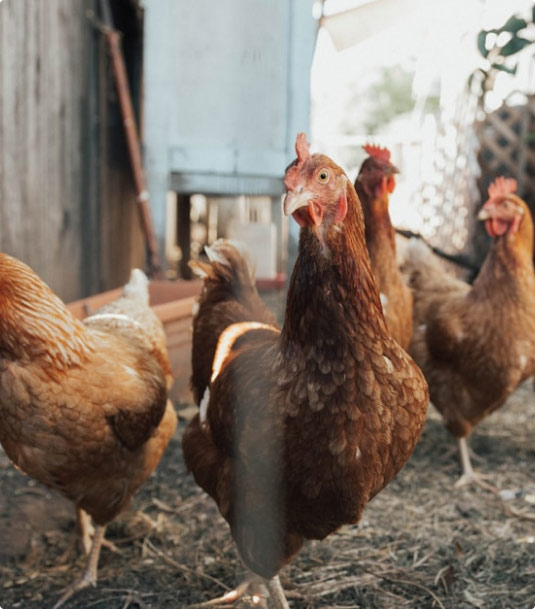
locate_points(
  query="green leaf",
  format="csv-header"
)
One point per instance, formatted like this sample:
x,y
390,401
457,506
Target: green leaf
x,y
514,45
533,14
514,24
503,68
481,40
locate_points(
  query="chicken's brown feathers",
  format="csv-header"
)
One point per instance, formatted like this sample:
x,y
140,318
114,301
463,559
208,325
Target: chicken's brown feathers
x,y
300,428
83,405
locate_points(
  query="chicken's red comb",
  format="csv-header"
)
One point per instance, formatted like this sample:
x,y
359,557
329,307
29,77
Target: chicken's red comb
x,y
302,148
501,187
383,154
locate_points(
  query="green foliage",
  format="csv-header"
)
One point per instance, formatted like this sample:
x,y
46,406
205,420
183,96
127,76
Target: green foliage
x,y
391,95
385,95
496,54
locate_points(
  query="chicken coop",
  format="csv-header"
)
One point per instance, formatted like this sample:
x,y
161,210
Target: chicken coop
x,y
227,86
218,91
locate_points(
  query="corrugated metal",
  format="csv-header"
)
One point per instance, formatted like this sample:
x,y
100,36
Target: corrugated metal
x,y
66,203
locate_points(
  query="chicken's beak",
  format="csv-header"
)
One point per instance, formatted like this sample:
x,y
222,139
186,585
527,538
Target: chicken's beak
x,y
484,214
294,200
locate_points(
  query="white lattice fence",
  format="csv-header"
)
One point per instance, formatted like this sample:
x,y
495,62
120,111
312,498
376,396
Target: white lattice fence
x,y
507,146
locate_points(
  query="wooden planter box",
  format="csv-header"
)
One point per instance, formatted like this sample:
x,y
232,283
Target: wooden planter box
x,y
172,302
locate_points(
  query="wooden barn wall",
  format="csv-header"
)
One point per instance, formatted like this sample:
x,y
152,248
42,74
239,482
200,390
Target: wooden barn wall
x,y
67,205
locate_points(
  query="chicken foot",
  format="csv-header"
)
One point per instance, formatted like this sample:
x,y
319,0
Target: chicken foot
x,y
258,589
469,476
89,578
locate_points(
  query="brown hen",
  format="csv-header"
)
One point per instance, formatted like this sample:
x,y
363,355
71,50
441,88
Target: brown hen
x,y
83,405
299,428
374,183
476,343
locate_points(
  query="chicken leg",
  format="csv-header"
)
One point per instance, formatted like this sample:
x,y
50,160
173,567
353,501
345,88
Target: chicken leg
x,y
469,476
85,528
87,531
89,578
276,593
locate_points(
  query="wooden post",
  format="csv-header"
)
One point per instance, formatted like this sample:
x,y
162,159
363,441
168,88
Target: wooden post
x,y
183,233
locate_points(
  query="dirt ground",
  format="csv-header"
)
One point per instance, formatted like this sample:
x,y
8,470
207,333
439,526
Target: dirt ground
x,y
422,542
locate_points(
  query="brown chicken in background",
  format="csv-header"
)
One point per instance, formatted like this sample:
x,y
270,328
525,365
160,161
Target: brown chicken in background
x,y
374,183
83,406
476,343
299,428
229,294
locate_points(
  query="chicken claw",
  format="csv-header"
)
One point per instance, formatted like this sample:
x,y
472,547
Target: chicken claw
x,y
89,578
257,589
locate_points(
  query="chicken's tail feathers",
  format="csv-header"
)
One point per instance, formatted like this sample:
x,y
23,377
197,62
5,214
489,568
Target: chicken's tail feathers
x,y
137,287
423,271
229,261
419,264
417,252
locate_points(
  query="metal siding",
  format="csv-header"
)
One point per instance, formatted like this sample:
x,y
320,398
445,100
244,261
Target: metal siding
x,y
227,85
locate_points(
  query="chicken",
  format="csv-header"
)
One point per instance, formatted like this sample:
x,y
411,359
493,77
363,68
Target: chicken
x,y
83,405
374,183
229,295
300,427
476,343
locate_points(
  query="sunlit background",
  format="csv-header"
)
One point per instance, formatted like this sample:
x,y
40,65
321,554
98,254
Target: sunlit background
x,y
397,72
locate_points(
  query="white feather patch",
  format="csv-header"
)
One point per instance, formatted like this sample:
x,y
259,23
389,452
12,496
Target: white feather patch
x,y
389,364
203,406
215,253
384,302
116,316
137,286
227,339
130,371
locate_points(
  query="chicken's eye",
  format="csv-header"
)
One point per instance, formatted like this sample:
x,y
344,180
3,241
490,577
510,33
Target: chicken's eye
x,y
323,176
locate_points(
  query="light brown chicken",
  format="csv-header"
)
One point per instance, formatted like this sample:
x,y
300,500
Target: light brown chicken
x,y
83,406
300,427
476,343
374,183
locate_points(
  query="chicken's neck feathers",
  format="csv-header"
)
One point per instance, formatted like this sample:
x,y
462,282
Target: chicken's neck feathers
x,y
509,264
34,323
332,292
377,222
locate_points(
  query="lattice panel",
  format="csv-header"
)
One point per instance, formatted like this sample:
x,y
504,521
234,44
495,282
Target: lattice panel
x,y
449,198
507,139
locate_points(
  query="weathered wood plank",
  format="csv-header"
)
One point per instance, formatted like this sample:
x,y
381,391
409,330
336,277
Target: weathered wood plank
x,y
67,207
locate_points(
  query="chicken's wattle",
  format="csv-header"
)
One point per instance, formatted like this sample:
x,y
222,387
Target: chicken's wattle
x,y
311,215
496,227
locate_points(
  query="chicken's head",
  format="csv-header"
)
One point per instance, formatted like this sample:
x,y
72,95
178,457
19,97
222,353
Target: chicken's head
x,y
377,173
504,210
316,188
